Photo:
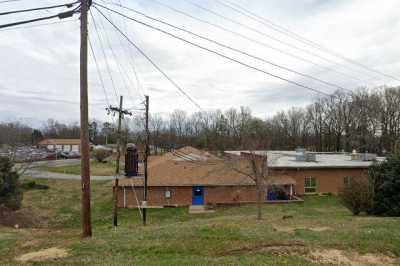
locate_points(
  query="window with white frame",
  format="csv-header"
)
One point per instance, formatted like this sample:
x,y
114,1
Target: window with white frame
x,y
310,184
347,180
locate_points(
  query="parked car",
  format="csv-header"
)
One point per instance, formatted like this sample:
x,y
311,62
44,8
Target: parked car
x,y
74,154
70,155
51,156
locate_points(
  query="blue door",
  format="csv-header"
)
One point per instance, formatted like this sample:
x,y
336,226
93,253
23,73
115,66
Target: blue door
x,y
198,195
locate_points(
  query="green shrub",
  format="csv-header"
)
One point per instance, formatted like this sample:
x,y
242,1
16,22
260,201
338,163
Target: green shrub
x,y
357,195
101,154
10,190
385,177
33,185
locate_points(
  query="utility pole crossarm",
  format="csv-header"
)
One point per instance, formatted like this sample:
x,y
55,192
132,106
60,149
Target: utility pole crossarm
x,y
113,109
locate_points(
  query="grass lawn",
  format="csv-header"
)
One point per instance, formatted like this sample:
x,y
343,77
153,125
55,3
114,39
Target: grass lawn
x,y
96,168
230,236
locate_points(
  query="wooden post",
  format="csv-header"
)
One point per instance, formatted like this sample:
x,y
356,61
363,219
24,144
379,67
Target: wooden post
x,y
115,194
84,134
120,112
146,154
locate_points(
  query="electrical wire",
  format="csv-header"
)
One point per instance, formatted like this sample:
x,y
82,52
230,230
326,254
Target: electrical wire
x,y
39,25
125,79
150,60
129,78
9,1
236,50
209,50
98,72
272,37
68,5
61,15
105,58
126,51
298,37
132,65
256,41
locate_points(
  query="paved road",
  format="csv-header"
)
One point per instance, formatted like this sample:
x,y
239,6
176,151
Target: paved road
x,y
53,163
36,172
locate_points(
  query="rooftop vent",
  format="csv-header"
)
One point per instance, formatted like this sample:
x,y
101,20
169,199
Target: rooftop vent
x,y
356,156
301,150
306,157
368,157
363,157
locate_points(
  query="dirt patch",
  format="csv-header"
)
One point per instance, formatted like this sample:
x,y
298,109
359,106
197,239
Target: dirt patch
x,y
285,229
42,255
339,257
23,218
277,249
32,243
291,230
320,228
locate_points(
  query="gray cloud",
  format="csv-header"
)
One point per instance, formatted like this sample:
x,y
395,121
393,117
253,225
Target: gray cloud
x,y
39,67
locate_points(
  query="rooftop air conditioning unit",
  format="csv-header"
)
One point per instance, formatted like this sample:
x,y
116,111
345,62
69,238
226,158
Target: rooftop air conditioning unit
x,y
300,150
306,157
356,157
301,157
368,156
311,157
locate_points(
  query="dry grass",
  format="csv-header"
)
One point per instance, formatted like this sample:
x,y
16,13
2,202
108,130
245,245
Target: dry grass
x,y
230,236
43,255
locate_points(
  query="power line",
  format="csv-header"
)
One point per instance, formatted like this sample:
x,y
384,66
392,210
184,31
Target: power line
x,y
98,71
116,61
138,84
126,52
126,72
8,1
298,37
132,65
105,56
39,25
68,5
61,15
270,36
235,49
258,41
151,61
211,51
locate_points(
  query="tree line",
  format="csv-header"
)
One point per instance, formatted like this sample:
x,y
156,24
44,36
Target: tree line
x,y
365,120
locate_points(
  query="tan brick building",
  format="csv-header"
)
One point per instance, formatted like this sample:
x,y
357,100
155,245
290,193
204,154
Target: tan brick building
x,y
193,177
61,144
185,177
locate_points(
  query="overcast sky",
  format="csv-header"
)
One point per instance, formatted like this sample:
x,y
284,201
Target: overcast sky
x,y
39,66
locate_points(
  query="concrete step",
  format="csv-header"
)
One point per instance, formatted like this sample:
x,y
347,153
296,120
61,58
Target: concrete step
x,y
199,209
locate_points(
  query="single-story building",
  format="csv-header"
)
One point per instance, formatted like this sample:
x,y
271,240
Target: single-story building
x,y
316,172
187,177
61,144
192,177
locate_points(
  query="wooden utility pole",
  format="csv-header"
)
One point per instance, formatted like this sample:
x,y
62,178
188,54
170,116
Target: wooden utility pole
x,y
84,134
146,155
120,112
